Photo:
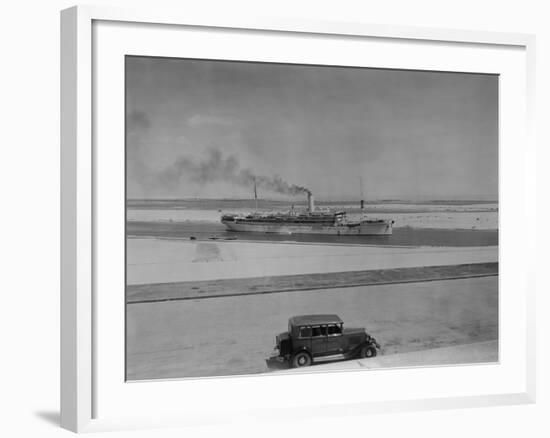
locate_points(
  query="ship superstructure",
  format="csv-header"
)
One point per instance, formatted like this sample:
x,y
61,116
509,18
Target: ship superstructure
x,y
309,222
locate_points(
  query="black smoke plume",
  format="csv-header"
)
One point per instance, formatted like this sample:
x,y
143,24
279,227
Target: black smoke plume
x,y
216,167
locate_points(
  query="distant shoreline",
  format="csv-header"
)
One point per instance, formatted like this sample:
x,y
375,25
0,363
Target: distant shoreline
x,y
322,201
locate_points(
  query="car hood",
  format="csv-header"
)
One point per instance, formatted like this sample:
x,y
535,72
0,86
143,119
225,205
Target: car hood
x,y
282,336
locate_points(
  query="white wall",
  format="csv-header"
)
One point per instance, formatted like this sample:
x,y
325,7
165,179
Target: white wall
x,y
29,182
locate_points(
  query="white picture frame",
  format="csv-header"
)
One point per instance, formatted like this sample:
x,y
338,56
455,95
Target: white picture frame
x,y
80,277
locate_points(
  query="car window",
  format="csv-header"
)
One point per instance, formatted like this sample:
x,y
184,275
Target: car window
x,y
319,331
334,330
305,332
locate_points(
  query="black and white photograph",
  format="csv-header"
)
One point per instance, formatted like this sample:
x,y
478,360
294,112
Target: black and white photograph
x,y
286,218
252,219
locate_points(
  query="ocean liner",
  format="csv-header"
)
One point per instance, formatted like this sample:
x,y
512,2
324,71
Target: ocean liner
x,y
310,222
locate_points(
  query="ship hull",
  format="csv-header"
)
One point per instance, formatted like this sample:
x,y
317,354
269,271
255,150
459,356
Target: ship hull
x,y
360,229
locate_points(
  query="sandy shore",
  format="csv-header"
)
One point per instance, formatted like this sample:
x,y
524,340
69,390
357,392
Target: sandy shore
x,y
235,335
166,261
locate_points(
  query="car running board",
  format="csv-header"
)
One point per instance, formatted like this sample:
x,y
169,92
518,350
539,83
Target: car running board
x,y
331,357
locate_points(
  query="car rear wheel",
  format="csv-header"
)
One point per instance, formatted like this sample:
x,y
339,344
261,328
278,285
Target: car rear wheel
x,y
368,351
301,359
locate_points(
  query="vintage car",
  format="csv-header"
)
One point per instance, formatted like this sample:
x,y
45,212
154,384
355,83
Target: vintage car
x,y
317,338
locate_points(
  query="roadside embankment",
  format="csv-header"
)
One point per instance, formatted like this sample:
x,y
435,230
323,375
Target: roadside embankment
x,y
192,290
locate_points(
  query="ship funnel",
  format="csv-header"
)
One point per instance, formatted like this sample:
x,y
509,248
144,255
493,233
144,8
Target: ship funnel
x,y
310,202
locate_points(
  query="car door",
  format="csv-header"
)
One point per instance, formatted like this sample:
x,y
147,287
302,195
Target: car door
x,y
318,340
334,339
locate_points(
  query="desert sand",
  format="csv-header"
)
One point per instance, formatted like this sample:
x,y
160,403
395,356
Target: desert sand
x,y
166,261
235,335
233,332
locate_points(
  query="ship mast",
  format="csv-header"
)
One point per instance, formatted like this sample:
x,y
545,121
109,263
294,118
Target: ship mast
x,y
255,194
361,190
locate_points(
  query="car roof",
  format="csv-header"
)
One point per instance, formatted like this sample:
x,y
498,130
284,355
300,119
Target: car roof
x,y
315,319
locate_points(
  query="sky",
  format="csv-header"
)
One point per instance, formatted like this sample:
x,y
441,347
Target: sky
x,y
209,129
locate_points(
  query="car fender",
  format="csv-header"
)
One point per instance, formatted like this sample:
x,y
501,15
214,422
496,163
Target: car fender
x,y
374,343
369,343
301,349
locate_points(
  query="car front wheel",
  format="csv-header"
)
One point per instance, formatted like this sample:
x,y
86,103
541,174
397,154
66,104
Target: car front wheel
x,y
301,359
368,351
